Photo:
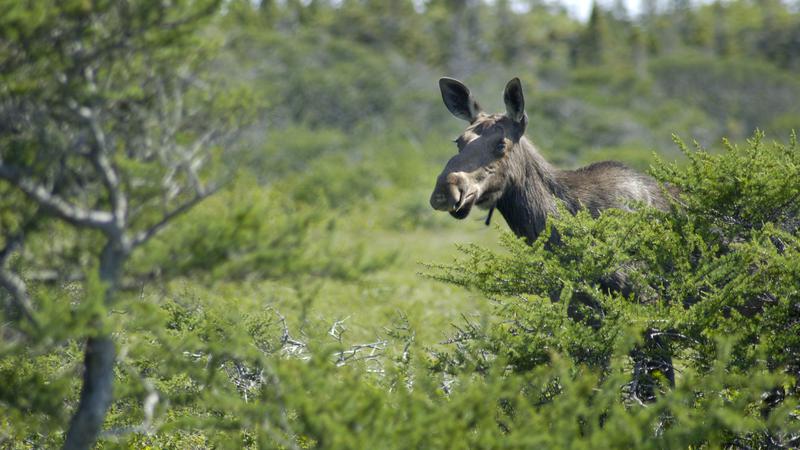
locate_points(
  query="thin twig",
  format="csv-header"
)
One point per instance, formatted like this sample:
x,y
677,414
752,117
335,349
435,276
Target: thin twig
x,y
153,230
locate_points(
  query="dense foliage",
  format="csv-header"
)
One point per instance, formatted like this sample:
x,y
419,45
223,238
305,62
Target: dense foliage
x,y
286,310
715,279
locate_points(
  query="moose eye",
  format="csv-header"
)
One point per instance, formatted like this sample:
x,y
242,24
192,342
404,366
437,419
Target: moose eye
x,y
500,147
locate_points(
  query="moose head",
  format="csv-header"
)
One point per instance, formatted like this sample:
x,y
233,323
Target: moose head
x,y
498,167
479,174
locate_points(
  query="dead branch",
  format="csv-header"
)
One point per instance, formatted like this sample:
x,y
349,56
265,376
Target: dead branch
x,y
338,329
146,426
360,352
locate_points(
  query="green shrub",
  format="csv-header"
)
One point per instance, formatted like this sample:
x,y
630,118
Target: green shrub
x,y
719,273
551,367
253,232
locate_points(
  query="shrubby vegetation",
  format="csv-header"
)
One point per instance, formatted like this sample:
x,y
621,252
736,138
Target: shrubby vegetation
x,y
225,370
714,280
287,310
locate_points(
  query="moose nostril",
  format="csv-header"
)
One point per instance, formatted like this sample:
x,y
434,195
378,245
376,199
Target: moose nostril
x,y
448,193
439,201
455,193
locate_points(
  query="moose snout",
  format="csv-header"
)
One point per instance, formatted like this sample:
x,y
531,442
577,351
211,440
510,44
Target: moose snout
x,y
449,191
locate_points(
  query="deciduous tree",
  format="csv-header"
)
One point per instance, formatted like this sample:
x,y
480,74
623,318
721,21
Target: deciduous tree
x,y
110,122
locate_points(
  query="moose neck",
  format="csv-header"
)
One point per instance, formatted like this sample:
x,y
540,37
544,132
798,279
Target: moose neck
x,y
531,193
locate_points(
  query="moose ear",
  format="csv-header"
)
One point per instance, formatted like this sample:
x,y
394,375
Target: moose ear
x,y
515,102
459,100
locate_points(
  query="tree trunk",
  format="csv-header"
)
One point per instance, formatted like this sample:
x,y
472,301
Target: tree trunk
x,y
96,394
98,375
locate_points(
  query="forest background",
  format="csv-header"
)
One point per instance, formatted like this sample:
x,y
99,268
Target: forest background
x,y
225,204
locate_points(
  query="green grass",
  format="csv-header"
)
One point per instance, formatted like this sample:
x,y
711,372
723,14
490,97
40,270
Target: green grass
x,y
370,303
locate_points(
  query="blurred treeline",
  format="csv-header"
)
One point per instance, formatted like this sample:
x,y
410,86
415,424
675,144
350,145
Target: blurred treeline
x,y
349,113
616,86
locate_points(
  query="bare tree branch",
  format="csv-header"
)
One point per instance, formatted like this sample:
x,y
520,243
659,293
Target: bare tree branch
x,y
148,409
338,329
361,352
145,235
192,162
290,346
102,164
13,283
73,214
19,293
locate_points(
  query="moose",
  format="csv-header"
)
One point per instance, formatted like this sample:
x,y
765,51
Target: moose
x,y
498,167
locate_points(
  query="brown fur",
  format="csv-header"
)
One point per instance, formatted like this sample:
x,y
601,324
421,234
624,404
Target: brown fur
x,y
498,167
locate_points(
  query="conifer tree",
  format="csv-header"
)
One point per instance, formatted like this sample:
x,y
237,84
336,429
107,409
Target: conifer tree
x,y
507,35
594,43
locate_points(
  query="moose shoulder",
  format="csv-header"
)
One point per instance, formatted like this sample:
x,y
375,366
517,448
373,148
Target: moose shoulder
x,y
498,167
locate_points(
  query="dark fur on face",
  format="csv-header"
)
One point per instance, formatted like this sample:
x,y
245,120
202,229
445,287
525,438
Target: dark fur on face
x,y
498,167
